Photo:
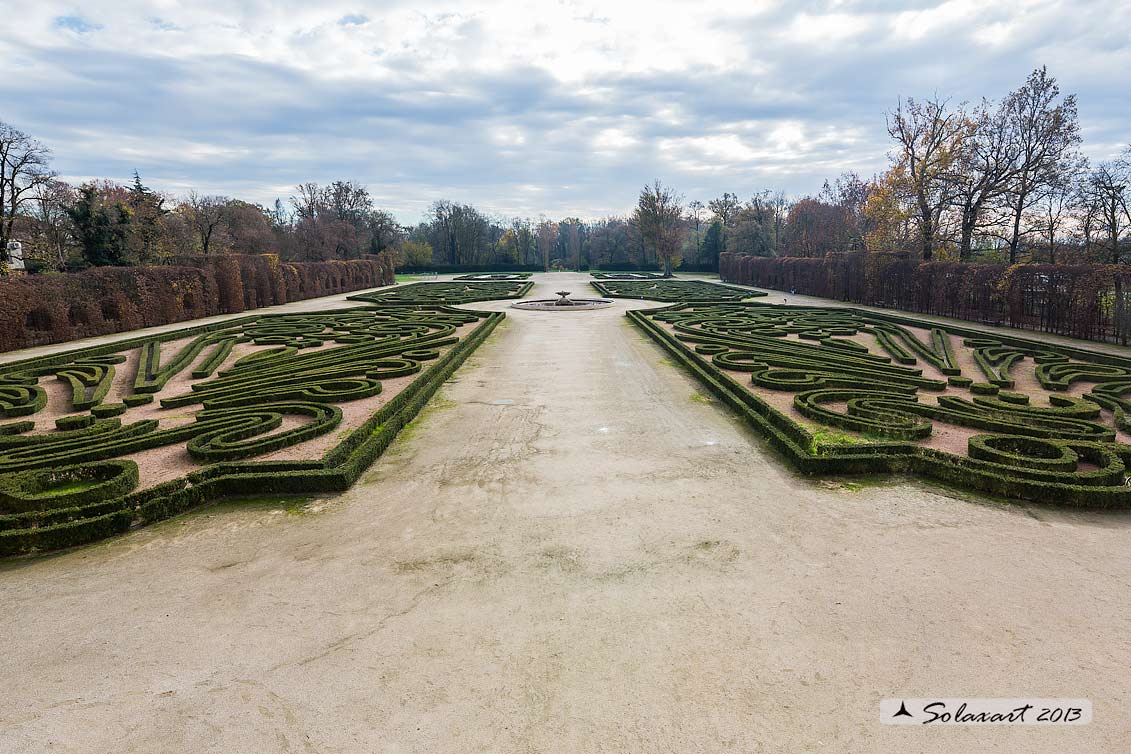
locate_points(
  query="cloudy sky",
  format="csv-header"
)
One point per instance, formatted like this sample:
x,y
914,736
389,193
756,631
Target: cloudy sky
x,y
563,108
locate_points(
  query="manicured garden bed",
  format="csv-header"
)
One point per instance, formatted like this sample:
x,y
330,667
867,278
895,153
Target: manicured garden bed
x,y
461,292
840,391
673,290
627,275
487,277
115,436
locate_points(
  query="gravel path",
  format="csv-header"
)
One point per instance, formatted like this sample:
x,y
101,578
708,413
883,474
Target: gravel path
x,y
571,550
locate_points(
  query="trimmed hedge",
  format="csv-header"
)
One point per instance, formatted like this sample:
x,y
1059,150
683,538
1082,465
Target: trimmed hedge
x,y
55,308
672,290
447,293
627,275
1081,300
106,410
66,487
452,269
244,406
487,277
1033,453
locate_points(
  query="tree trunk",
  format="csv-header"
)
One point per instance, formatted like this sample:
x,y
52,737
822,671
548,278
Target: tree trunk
x,y
1018,210
1114,232
928,231
970,212
1052,241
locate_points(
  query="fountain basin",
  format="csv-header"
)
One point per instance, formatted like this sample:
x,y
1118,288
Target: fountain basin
x,y
563,303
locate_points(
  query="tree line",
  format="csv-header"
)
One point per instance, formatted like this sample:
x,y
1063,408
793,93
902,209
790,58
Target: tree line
x,y
1002,180
104,223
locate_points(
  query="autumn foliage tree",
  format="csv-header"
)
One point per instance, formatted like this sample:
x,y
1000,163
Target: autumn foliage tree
x,y
927,136
814,228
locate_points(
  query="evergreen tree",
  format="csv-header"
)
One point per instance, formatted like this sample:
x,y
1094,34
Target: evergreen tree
x,y
146,213
713,243
103,232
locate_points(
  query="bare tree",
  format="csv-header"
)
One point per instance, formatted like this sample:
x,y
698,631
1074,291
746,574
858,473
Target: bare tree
x,y
768,209
525,245
546,233
309,208
984,165
927,137
207,215
349,205
659,216
851,193
1107,186
55,226
307,202
23,169
695,215
1054,210
725,209
384,231
570,227
1047,134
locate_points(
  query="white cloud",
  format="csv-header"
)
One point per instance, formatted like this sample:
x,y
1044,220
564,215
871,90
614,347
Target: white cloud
x,y
920,24
828,28
565,107
613,140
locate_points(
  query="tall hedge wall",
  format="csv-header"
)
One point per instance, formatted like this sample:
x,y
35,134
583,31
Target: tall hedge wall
x,y
1092,302
56,308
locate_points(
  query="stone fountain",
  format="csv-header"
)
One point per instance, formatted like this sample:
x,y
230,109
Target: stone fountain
x,y
563,303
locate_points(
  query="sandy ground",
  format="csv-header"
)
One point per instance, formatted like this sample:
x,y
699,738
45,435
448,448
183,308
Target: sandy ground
x,y
570,551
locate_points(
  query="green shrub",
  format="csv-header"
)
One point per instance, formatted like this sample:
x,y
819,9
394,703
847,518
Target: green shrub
x,y
66,486
671,290
106,410
75,422
627,275
1057,454
16,428
486,277
243,410
18,399
447,293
